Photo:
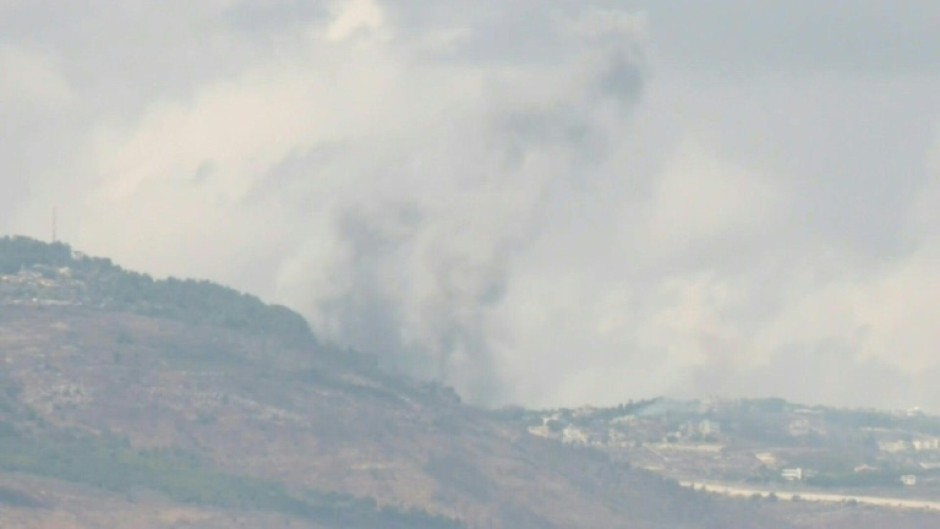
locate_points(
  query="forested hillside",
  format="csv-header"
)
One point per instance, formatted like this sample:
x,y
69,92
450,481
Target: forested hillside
x,y
53,273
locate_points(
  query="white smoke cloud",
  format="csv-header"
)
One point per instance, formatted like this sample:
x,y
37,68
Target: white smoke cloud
x,y
546,205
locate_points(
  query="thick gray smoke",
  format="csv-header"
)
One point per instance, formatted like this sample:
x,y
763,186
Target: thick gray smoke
x,y
416,244
546,203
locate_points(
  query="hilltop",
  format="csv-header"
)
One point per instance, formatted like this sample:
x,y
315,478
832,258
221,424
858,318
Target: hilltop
x,y
54,274
127,401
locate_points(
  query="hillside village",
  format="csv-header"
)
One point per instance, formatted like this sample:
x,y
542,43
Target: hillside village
x,y
41,274
767,442
42,285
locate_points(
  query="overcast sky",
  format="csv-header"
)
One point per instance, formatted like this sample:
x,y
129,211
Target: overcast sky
x,y
547,203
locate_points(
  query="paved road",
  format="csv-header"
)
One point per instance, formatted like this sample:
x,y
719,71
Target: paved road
x,y
880,501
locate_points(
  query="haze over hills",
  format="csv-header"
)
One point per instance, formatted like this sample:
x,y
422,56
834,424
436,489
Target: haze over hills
x,y
133,402
623,197
125,386
580,263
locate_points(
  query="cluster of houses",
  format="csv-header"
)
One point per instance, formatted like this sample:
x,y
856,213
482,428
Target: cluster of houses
x,y
897,446
764,440
577,428
42,285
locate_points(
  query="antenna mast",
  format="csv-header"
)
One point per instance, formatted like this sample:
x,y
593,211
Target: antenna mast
x,y
55,219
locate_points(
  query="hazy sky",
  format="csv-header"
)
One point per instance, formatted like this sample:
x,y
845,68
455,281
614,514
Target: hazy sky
x,y
540,202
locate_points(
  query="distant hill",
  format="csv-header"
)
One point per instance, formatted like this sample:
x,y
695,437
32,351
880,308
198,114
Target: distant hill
x,y
53,273
129,402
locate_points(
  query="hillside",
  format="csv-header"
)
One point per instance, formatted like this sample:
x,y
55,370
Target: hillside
x,y
132,402
54,274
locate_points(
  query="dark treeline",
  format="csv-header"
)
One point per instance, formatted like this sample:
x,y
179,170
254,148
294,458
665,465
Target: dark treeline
x,y
107,285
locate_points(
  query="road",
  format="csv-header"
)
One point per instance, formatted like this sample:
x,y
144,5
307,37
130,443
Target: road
x,y
880,501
